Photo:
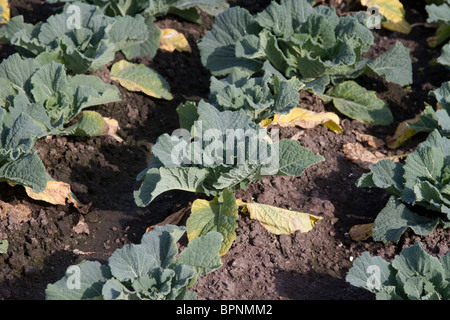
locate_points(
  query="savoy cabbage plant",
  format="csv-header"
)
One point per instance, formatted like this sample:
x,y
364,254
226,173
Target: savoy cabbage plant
x,y
156,8
439,13
260,97
431,119
38,101
221,149
83,40
422,181
413,275
151,270
314,45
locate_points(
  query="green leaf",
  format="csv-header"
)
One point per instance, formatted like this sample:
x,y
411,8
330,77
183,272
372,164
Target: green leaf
x,y
396,218
113,289
138,77
444,58
161,243
47,81
412,275
371,273
131,262
187,114
18,71
438,13
395,65
385,175
415,268
3,246
91,124
202,253
358,103
159,180
219,215
27,170
294,159
145,47
217,47
82,281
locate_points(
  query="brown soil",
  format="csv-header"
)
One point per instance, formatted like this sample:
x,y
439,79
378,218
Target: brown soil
x,y
259,265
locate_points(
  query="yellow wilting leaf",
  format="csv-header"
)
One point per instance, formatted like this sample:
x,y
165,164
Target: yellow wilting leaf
x,y
306,119
5,11
402,133
174,219
281,221
93,124
140,78
219,214
241,203
172,40
393,11
361,232
56,193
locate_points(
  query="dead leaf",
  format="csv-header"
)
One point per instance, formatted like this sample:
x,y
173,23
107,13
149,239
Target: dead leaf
x,y
16,214
81,227
241,203
306,119
172,40
113,127
281,221
174,218
58,193
372,141
402,133
356,153
361,232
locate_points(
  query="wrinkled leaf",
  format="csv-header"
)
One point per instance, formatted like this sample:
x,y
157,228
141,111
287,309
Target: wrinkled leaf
x,y
140,78
94,124
202,253
306,119
83,281
358,103
395,65
56,192
396,218
172,40
219,215
281,221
